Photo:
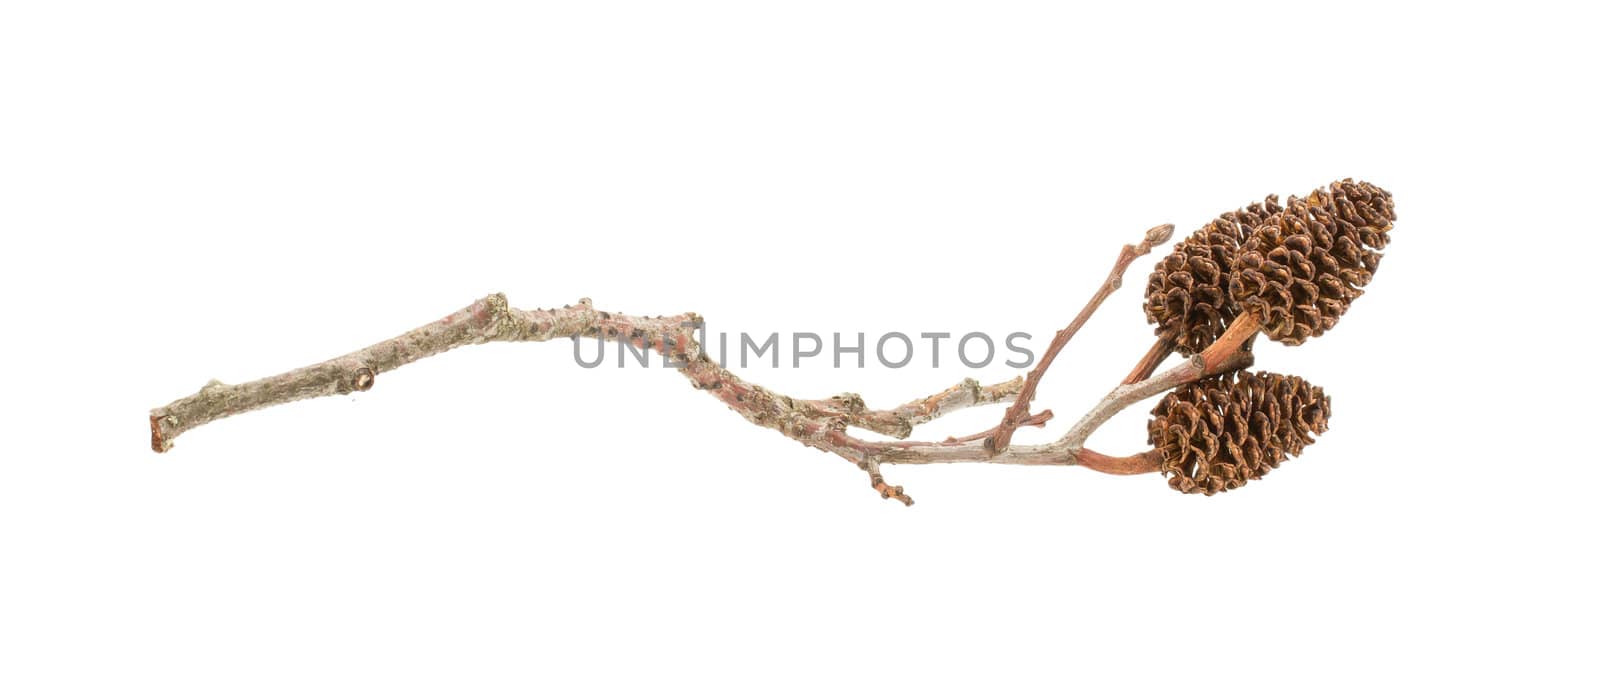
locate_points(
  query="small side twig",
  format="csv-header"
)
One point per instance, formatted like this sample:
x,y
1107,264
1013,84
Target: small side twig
x,y
1152,359
885,490
1001,438
899,422
1034,420
1147,462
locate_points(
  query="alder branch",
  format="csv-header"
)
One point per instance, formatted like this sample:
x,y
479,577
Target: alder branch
x,y
821,424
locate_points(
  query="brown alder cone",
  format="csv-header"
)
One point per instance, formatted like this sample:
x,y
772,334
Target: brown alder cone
x,y
1187,296
1219,433
1302,267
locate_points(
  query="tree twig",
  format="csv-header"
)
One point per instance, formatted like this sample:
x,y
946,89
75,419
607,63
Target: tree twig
x,y
1001,437
885,490
1152,359
1147,462
900,421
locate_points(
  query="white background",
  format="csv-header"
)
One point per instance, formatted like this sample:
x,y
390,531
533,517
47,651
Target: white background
x,y
198,190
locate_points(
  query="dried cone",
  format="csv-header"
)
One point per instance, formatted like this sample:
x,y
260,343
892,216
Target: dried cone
x,y
1187,296
1301,268
1219,433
